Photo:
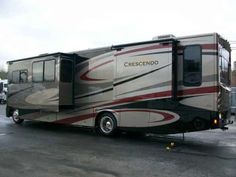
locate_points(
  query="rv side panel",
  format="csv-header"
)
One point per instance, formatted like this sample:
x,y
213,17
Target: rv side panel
x,y
33,85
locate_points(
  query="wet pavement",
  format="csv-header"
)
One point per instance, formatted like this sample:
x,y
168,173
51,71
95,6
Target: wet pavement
x,y
36,149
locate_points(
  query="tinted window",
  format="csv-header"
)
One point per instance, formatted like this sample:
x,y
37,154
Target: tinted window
x,y
192,74
23,76
49,70
224,63
66,71
15,76
38,71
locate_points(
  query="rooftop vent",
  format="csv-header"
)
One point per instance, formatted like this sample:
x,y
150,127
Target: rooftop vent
x,y
42,54
167,36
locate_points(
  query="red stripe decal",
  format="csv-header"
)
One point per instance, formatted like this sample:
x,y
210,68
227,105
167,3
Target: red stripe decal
x,y
159,46
193,91
87,78
136,98
204,46
71,120
167,116
210,46
198,91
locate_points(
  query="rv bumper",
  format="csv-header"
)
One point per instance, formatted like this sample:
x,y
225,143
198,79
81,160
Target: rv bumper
x,y
220,120
233,110
225,119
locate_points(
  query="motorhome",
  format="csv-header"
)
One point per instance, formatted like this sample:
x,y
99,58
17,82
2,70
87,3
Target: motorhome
x,y
165,85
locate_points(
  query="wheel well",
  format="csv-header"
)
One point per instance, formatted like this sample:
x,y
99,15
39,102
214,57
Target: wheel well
x,y
99,115
9,111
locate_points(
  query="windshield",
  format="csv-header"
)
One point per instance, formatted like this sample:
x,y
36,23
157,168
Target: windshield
x,y
224,65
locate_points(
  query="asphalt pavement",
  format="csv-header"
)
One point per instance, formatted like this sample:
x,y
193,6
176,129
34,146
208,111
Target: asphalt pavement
x,y
36,149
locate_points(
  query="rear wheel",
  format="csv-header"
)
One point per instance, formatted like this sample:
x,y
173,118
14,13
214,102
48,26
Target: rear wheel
x,y
16,118
199,124
107,124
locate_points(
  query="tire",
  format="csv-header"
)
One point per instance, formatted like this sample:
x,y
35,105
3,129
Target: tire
x,y
16,118
107,124
199,124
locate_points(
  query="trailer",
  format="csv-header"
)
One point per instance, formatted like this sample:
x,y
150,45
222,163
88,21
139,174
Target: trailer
x,y
165,85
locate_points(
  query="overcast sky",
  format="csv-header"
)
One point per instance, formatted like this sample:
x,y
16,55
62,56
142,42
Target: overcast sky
x,y
32,27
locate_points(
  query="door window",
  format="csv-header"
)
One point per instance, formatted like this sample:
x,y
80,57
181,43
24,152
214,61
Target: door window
x,y
49,70
38,71
192,64
44,71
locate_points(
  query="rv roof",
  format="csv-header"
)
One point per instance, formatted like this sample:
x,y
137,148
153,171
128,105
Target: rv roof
x,y
197,35
89,53
38,56
144,42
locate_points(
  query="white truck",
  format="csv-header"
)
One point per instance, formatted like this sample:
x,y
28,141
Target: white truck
x,y
3,91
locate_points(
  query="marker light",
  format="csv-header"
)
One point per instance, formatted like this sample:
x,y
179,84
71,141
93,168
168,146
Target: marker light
x,y
215,121
220,115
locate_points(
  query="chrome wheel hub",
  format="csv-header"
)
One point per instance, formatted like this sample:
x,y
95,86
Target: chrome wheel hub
x,y
106,124
15,115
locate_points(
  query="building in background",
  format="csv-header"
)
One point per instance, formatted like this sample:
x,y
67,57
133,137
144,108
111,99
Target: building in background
x,y
234,65
233,88
233,75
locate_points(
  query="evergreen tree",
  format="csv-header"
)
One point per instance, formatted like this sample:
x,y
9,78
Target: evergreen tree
x,y
3,74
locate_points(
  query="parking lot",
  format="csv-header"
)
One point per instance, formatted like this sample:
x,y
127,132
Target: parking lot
x,y
36,149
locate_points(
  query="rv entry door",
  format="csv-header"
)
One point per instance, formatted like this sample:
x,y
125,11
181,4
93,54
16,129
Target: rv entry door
x,y
66,83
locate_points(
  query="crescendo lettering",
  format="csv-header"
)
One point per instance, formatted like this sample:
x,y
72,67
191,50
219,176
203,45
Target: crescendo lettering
x,y
141,63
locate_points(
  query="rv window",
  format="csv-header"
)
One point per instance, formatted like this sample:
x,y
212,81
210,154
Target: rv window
x,y
49,70
192,66
66,71
23,76
38,71
15,76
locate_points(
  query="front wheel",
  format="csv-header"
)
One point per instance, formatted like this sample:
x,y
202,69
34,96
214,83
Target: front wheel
x,y
107,124
16,118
